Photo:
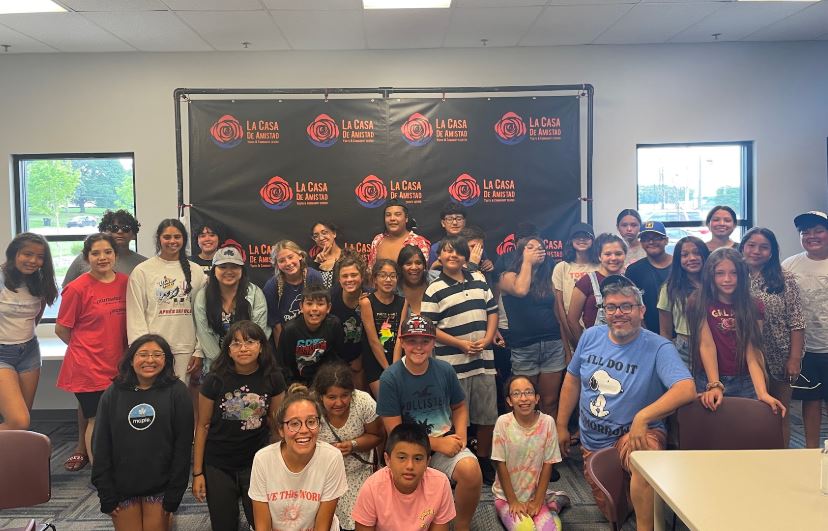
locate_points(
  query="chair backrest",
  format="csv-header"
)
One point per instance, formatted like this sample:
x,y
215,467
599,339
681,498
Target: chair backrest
x,y
604,469
737,424
25,478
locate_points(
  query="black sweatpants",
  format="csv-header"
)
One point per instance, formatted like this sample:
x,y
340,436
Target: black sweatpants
x,y
224,488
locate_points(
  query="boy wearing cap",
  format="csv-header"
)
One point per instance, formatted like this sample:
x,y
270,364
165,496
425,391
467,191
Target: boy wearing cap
x,y
424,390
625,380
406,495
226,277
651,273
811,270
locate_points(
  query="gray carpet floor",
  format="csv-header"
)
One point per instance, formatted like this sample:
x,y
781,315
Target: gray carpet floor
x,y
74,504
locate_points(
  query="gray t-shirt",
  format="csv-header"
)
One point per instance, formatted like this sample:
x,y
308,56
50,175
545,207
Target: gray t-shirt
x,y
127,260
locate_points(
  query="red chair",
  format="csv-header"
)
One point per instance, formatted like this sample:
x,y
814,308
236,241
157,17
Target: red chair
x,y
25,477
604,468
737,424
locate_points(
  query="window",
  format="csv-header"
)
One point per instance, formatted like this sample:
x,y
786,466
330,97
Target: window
x,y
62,197
679,183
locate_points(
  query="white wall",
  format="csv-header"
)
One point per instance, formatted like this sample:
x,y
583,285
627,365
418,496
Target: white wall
x,y
771,93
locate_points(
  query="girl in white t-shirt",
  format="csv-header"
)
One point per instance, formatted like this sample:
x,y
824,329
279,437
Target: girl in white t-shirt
x,y
525,447
296,482
27,286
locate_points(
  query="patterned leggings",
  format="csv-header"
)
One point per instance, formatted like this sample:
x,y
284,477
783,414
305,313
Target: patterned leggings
x,y
547,519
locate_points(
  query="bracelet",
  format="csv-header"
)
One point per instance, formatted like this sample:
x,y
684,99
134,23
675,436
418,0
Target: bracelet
x,y
353,444
713,385
199,474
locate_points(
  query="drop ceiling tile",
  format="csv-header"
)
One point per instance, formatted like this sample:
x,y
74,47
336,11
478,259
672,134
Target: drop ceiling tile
x,y
807,24
226,31
406,28
322,30
114,5
656,23
566,25
498,3
152,31
67,32
313,5
214,5
20,43
737,20
500,26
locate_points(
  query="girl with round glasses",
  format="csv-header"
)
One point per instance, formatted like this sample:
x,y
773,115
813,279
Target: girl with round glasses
x,y
296,482
328,254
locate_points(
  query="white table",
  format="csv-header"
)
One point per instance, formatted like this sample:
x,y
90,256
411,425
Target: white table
x,y
774,490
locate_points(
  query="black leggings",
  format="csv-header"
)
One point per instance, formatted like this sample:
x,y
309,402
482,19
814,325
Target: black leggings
x,y
224,488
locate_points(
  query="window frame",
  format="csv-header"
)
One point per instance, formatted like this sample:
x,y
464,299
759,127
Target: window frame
x,y
746,188
20,200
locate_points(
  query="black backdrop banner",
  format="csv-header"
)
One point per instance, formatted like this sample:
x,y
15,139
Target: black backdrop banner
x,y
269,170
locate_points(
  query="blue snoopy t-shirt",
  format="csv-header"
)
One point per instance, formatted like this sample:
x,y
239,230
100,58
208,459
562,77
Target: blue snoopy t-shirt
x,y
618,381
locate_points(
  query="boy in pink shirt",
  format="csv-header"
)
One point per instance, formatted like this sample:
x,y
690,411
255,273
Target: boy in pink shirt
x,y
406,494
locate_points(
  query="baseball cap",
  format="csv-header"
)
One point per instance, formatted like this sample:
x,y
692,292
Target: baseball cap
x,y
656,227
230,254
417,325
581,227
809,218
616,279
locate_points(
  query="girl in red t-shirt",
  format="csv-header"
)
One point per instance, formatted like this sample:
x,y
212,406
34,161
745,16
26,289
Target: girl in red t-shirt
x,y
726,335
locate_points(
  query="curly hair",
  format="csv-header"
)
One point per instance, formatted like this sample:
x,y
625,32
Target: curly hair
x,y
111,217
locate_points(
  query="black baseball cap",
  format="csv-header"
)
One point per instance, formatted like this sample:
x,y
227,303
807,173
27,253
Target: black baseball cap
x,y
581,227
809,219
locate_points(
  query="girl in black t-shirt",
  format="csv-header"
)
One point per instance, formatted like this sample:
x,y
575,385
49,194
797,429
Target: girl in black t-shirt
x,y
345,306
239,395
381,313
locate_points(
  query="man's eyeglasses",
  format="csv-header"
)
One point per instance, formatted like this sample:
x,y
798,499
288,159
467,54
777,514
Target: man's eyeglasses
x,y
625,307
454,219
237,345
517,394
120,228
294,425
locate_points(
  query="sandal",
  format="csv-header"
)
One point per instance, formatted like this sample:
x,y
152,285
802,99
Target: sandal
x,y
76,461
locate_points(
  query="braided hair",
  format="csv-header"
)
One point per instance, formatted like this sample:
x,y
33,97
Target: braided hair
x,y
182,257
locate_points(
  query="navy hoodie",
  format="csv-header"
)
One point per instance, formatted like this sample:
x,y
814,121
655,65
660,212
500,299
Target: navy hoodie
x,y
142,444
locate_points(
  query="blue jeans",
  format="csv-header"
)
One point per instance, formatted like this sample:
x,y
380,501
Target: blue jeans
x,y
740,385
24,357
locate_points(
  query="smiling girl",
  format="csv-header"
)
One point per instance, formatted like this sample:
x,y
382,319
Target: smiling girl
x,y
27,286
92,322
721,220
330,253
381,312
345,307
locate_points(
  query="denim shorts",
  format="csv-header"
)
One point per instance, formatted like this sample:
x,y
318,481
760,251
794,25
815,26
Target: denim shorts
x,y
739,385
23,357
541,357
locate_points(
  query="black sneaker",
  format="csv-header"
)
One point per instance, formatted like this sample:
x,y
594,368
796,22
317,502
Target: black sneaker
x,y
487,469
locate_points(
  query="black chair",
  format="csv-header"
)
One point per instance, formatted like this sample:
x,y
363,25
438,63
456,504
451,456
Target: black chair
x,y
25,477
604,469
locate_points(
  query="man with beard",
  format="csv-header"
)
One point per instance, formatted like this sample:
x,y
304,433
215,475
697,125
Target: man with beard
x,y
626,380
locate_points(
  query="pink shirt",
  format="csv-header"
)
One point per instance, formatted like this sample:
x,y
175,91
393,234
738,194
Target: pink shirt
x,y
412,239
380,504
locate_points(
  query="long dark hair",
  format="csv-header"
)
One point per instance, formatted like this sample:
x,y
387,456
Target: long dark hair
x,y
40,283
98,237
746,315
679,286
213,302
407,253
772,270
182,256
716,209
541,284
224,365
570,254
126,373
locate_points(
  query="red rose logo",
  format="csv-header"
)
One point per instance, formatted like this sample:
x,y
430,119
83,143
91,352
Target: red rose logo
x,y
323,131
371,192
276,194
417,130
507,245
464,190
227,132
510,129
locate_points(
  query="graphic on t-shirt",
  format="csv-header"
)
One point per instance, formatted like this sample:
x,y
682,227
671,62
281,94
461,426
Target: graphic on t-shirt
x,y
353,330
725,319
309,351
385,333
428,408
166,290
244,406
605,384
294,309
141,416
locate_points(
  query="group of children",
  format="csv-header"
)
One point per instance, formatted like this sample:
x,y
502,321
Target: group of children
x,y
421,340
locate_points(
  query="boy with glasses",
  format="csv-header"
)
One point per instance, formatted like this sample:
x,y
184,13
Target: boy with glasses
x,y
453,220
811,270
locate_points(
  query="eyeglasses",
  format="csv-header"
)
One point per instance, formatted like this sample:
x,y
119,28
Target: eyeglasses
x,y
387,276
294,425
517,394
454,219
625,307
237,345
321,234
120,228
148,355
